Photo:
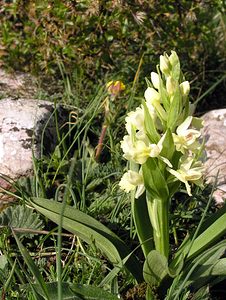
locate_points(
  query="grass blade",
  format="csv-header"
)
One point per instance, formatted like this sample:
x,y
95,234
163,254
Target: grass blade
x,y
32,267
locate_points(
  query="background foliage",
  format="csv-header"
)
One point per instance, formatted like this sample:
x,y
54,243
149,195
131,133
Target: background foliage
x,y
98,38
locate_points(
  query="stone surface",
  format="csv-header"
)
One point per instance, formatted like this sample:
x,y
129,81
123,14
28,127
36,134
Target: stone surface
x,y
18,84
22,122
214,132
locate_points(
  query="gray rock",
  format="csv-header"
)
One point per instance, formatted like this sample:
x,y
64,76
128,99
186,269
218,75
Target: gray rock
x,y
22,123
18,84
214,133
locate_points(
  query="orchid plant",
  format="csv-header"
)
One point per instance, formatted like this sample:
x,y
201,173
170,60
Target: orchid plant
x,y
163,149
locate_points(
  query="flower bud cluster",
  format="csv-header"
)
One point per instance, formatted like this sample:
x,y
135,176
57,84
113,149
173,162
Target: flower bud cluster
x,y
162,130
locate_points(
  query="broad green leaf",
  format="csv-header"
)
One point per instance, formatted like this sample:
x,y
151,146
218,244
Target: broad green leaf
x,y
32,267
150,127
207,237
219,269
168,146
202,294
142,223
73,291
206,263
214,217
191,273
155,268
212,267
186,245
91,231
92,293
153,180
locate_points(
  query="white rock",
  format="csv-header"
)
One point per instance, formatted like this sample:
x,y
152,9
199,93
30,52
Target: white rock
x,y
214,132
22,122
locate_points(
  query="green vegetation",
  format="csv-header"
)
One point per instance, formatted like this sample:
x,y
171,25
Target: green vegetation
x,y
90,40
74,235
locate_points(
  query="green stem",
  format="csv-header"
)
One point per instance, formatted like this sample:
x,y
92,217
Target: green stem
x,y
158,210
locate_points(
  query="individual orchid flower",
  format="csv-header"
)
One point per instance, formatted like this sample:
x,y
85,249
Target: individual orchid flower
x,y
152,98
139,149
186,139
135,119
132,180
189,171
129,142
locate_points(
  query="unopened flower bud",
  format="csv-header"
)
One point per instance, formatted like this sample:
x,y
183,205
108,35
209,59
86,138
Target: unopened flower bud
x,y
165,65
151,95
173,59
155,80
170,85
185,88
